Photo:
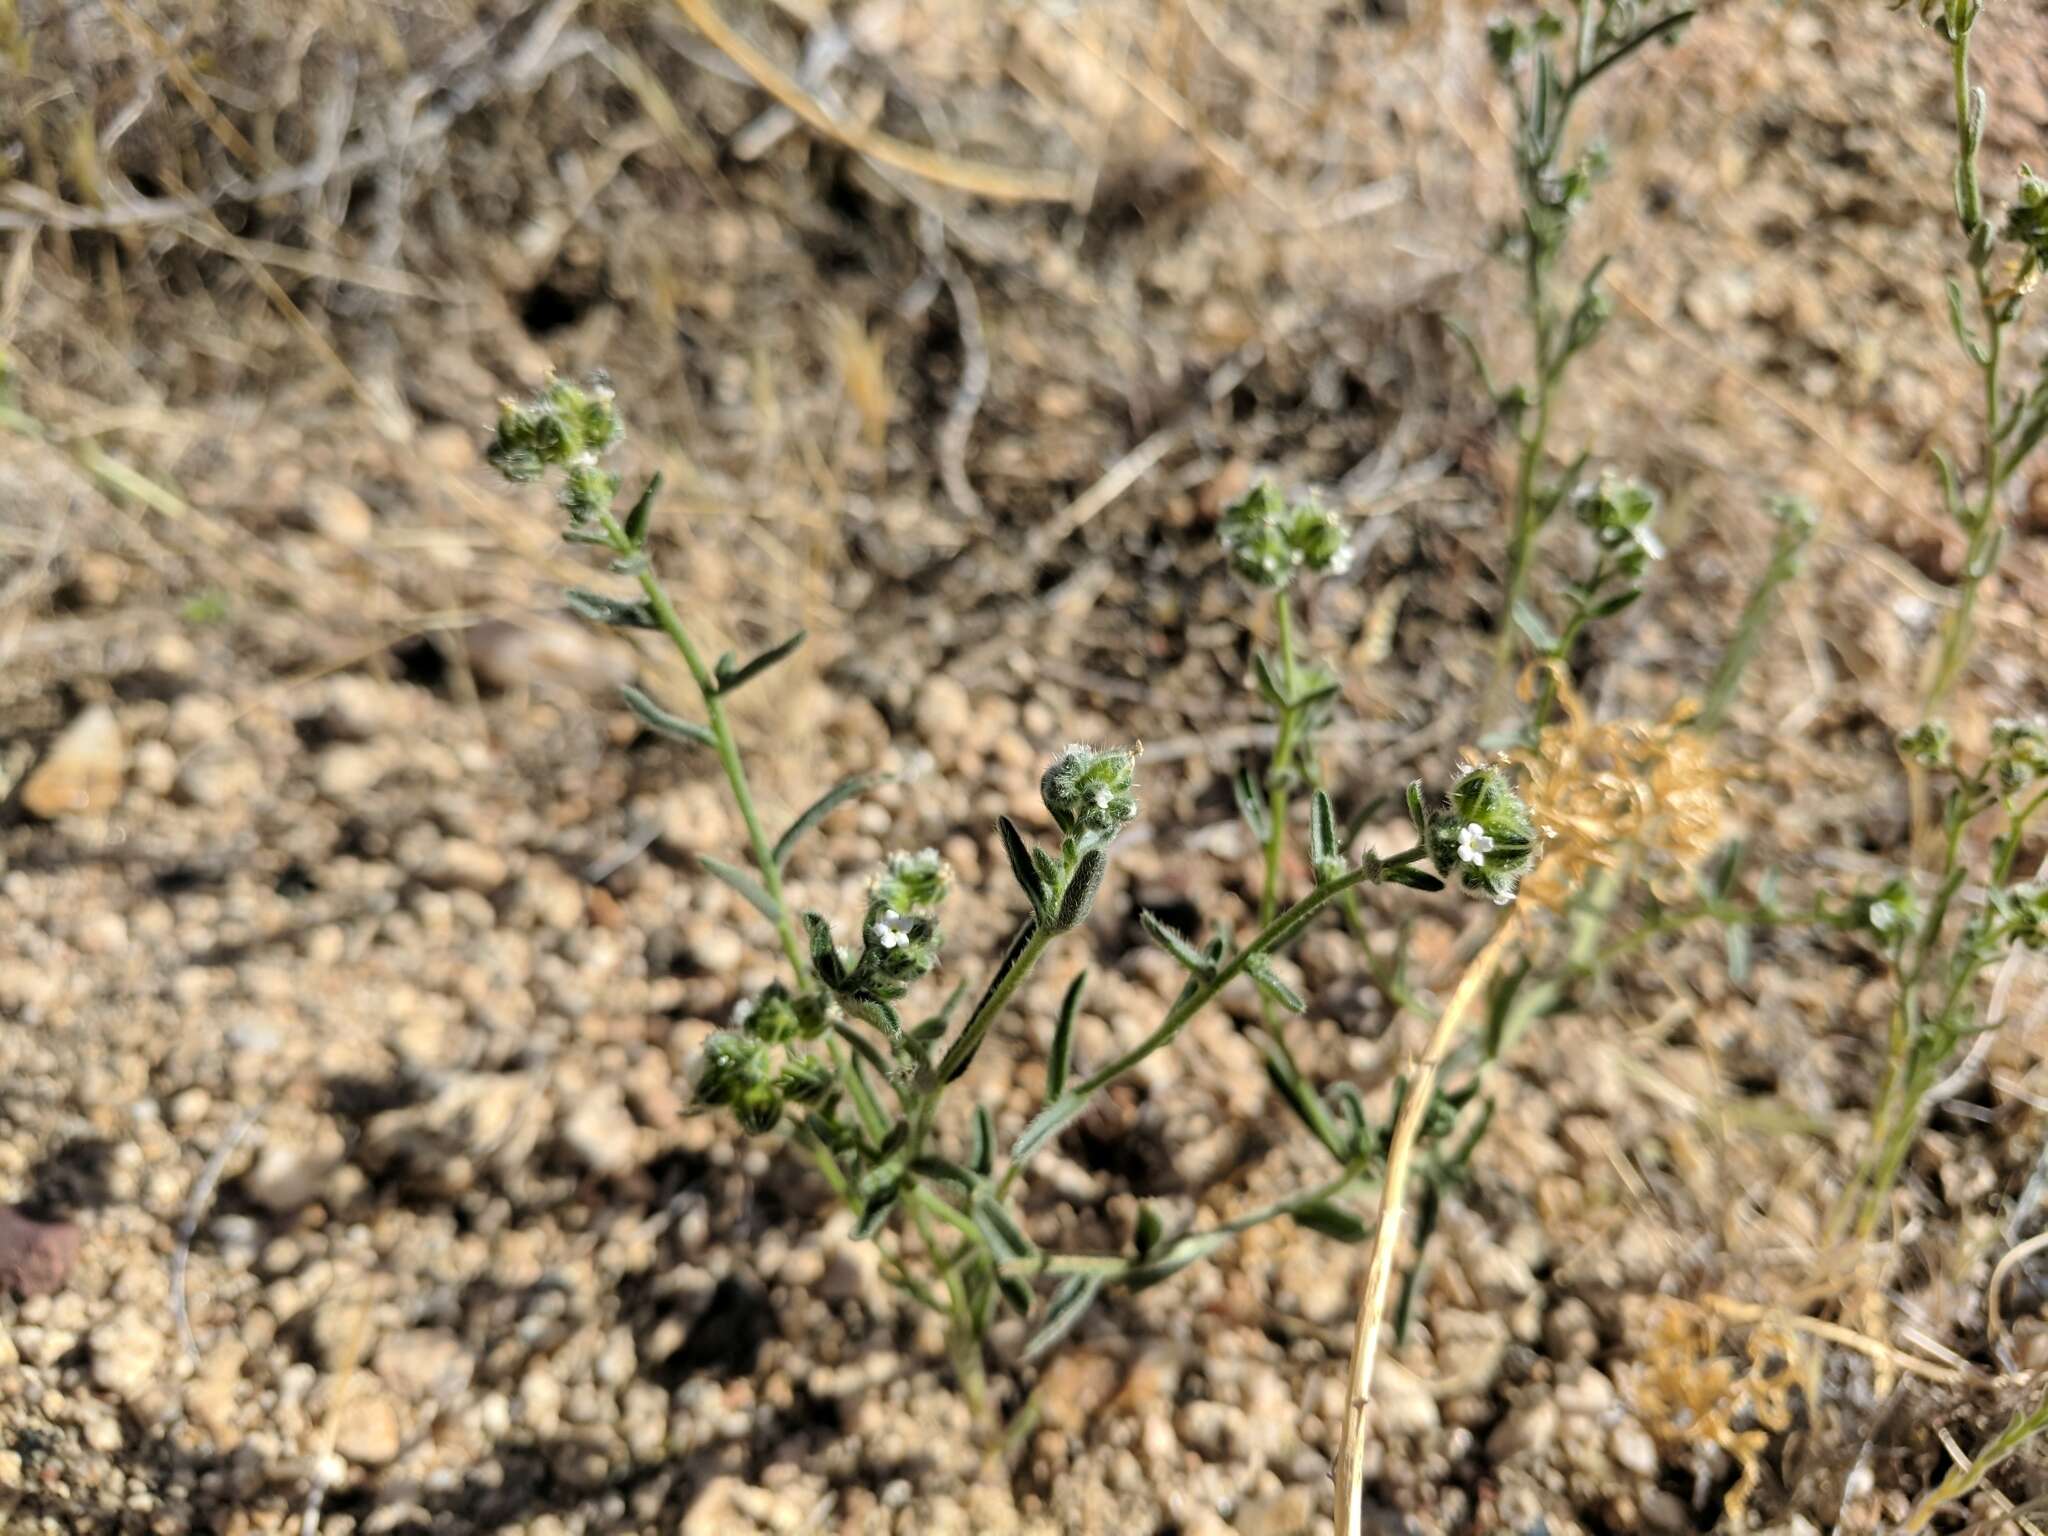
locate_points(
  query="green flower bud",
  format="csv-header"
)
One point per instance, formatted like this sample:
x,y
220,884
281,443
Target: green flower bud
x,y
1092,795
758,1109
808,1080
731,1065
1928,745
814,1012
913,882
770,1018
1482,835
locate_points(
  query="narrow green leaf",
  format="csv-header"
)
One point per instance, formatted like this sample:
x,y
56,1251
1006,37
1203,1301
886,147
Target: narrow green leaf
x,y
742,882
1332,1220
1531,623
1176,945
731,678
1022,868
1299,1097
1151,1228
1417,813
831,970
1079,897
822,807
1613,605
599,609
1175,1257
1069,1304
1017,1292
1060,1059
1251,805
642,514
657,719
1045,1125
1262,973
1268,684
979,1283
1409,875
982,1159
945,1172
876,1213
999,1229
1738,953
1322,834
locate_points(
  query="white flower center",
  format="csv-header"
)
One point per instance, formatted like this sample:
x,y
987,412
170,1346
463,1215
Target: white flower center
x,y
893,930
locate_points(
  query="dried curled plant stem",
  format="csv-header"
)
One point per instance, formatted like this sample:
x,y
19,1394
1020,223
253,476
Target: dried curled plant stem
x,y
1379,1270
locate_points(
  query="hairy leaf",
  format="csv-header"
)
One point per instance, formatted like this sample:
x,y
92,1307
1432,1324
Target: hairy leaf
x,y
655,718
822,807
742,882
1069,1304
599,609
731,678
1060,1059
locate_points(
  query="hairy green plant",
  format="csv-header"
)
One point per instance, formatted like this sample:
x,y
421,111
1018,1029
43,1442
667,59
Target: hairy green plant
x,y
1940,929
835,1058
2004,266
1548,65
1937,944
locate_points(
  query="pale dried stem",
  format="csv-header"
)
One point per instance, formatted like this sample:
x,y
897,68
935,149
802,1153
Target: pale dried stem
x,y
1386,1242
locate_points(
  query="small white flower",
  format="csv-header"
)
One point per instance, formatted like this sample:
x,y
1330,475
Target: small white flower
x,y
1473,843
1341,561
893,930
743,1011
1651,544
1101,797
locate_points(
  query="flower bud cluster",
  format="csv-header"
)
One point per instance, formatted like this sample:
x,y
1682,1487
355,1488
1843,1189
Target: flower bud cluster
x,y
1092,795
755,1069
2019,751
1268,540
560,427
1482,835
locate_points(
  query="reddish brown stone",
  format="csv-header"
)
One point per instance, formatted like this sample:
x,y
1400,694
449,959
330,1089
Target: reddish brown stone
x,y
35,1256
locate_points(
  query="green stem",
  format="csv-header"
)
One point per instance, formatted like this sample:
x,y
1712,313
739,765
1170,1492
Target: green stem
x,y
1983,523
721,731
1113,1266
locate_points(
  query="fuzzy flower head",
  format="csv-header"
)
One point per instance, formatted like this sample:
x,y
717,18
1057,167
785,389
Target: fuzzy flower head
x,y
775,1017
1092,795
898,948
807,1080
1481,835
2019,751
1928,744
566,426
913,882
1268,540
2027,224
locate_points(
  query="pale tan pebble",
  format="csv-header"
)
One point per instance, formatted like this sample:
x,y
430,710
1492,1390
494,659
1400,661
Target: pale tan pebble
x,y
81,773
338,513
1527,1430
368,1429
127,1355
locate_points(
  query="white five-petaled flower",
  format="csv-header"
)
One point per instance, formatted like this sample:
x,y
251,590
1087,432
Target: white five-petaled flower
x,y
1101,797
892,930
1473,843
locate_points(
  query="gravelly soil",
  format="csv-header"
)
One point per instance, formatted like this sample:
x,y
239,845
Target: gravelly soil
x,y
345,1029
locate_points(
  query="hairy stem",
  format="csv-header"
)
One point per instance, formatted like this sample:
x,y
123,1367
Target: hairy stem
x,y
721,730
